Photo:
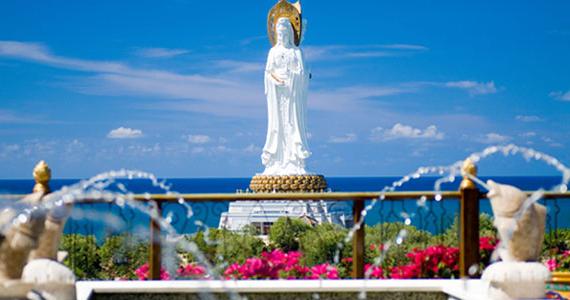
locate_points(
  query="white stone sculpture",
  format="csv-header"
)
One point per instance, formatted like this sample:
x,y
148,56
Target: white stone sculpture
x,y
524,231
48,242
18,240
28,248
286,85
521,226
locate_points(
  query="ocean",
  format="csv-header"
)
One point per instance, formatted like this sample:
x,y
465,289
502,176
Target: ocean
x,y
434,217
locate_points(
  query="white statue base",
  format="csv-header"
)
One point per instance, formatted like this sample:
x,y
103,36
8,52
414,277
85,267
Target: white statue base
x,y
516,280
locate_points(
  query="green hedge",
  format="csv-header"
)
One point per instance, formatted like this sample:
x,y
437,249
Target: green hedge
x,y
118,256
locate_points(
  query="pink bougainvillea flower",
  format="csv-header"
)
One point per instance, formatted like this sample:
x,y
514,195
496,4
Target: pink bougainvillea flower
x,y
142,273
323,271
433,262
551,264
487,243
372,271
191,271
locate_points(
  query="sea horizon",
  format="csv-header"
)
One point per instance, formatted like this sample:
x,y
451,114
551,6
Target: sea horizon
x,y
209,214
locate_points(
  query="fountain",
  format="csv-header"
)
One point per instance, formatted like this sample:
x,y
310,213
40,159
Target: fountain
x,y
28,256
521,225
519,219
31,230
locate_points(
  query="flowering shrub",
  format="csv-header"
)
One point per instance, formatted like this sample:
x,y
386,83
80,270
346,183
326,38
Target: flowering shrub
x,y
373,272
192,271
487,245
432,262
142,273
558,262
279,265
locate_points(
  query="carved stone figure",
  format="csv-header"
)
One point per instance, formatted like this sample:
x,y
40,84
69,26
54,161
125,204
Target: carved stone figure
x,y
520,225
19,240
524,232
48,243
286,85
34,236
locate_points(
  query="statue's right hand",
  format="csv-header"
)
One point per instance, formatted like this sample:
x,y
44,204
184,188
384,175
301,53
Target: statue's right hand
x,y
277,80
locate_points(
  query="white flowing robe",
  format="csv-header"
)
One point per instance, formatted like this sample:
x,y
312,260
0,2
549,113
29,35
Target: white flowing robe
x,y
286,145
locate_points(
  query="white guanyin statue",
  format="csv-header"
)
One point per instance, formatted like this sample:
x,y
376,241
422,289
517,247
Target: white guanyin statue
x,y
286,85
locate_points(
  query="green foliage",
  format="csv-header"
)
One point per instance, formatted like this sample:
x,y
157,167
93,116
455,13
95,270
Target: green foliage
x,y
450,237
486,227
82,255
121,255
205,242
382,246
321,244
286,233
223,246
235,247
556,241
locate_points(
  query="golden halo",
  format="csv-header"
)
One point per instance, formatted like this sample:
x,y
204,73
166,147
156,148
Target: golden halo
x,y
285,9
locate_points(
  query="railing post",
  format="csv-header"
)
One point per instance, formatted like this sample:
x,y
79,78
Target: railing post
x,y
358,240
469,223
155,247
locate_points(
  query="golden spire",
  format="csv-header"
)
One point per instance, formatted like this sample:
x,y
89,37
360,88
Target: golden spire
x,y
468,168
285,9
42,175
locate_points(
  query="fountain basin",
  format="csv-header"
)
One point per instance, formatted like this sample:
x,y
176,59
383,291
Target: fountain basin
x,y
285,289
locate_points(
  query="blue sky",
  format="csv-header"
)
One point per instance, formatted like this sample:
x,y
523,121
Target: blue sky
x,y
175,87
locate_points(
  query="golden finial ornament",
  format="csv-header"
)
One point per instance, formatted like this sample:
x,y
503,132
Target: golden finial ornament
x,y
468,168
42,175
285,9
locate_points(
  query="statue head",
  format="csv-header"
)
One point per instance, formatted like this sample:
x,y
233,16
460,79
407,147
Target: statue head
x,y
284,32
291,11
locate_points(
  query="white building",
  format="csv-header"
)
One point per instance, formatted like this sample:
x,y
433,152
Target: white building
x,y
262,214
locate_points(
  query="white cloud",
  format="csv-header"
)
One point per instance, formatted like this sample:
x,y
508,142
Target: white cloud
x,y
119,79
221,149
198,150
198,139
143,150
236,66
528,134
345,98
494,138
8,117
124,133
528,119
343,139
405,47
222,94
10,150
12,117
252,149
551,142
160,52
473,87
400,131
564,96
336,52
